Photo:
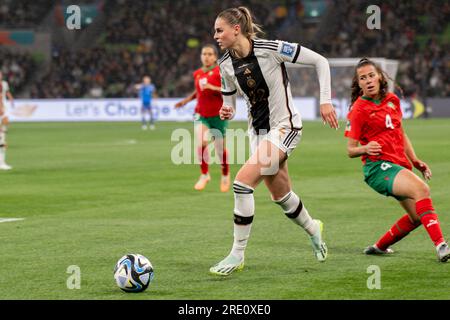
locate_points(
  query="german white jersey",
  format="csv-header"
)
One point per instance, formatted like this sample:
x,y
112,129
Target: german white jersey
x,y
261,78
4,88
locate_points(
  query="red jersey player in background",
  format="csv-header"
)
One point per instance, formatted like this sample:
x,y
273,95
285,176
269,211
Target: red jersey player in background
x,y
209,101
375,133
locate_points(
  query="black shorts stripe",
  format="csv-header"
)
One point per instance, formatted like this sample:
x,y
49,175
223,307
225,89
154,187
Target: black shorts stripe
x,y
288,137
288,143
228,93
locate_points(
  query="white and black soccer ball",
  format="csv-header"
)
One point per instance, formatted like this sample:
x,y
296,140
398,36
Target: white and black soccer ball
x,y
133,273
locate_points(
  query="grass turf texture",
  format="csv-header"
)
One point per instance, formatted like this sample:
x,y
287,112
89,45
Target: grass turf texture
x,y
92,192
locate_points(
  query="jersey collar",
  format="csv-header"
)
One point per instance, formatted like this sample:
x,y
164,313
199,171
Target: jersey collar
x,y
376,101
209,68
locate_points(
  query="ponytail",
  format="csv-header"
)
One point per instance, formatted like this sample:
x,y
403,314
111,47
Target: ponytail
x,y
241,16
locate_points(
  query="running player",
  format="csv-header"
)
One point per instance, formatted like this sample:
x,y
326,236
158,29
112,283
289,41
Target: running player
x,y
209,102
375,134
256,69
4,93
147,92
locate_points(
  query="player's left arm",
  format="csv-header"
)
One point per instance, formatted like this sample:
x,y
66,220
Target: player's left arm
x,y
417,163
295,53
10,98
215,83
212,87
309,57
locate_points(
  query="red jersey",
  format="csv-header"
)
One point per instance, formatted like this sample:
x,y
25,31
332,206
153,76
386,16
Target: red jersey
x,y
380,121
209,101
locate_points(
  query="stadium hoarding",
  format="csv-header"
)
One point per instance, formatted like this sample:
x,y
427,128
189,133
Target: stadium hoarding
x,y
36,110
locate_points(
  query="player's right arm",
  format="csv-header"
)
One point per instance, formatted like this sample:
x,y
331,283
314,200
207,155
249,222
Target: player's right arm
x,y
354,132
186,100
354,150
229,91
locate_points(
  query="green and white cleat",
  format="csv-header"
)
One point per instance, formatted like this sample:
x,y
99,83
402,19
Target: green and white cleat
x,y
319,247
227,266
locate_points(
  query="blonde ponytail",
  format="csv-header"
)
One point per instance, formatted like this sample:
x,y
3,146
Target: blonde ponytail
x,y
242,16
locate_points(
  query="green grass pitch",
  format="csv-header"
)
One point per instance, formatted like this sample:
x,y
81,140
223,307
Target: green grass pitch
x,y
92,192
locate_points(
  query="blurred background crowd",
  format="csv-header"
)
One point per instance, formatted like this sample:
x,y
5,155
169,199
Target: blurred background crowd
x,y
122,40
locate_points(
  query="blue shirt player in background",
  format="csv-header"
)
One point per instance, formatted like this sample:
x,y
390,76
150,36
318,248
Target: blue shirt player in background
x,y
146,93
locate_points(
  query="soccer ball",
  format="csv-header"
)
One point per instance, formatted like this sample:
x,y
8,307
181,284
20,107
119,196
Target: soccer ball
x,y
133,273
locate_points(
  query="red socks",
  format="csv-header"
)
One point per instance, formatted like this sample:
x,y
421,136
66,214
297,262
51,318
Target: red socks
x,y
429,219
397,232
224,163
203,156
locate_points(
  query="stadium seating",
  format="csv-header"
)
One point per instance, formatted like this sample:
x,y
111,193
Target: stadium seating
x,y
163,39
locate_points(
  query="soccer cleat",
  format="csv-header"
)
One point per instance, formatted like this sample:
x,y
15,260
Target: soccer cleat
x,y
152,127
443,252
319,247
202,181
374,250
144,127
227,266
4,166
225,183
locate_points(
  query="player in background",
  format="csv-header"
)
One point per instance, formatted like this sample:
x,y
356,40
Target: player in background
x,y
375,133
256,69
147,91
209,101
4,93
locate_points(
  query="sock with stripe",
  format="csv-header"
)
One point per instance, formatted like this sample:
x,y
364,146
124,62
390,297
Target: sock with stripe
x,y
297,213
398,231
429,219
244,209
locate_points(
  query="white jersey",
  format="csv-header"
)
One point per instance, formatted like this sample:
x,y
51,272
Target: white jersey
x,y
4,88
261,78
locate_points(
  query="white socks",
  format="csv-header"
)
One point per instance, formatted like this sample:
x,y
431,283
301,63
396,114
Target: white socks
x,y
244,209
296,211
2,155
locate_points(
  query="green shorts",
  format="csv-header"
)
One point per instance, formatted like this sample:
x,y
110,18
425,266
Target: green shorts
x,y
214,124
380,176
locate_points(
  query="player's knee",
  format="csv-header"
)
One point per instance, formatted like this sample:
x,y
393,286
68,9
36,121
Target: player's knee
x,y
422,191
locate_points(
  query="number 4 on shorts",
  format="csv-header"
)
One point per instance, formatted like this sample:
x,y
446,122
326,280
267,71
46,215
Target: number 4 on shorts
x,y
384,166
